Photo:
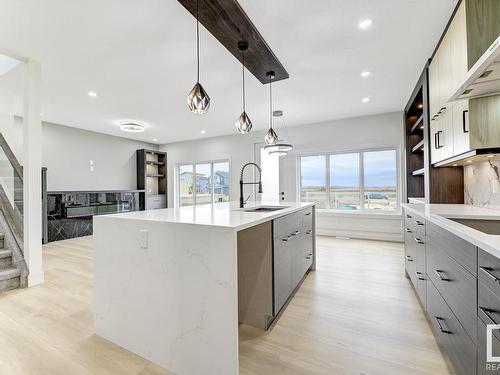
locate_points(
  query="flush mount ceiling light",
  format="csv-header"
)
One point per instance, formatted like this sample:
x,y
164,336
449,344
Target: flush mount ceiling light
x,y
365,100
243,124
281,147
271,136
366,74
198,100
92,94
203,131
365,24
132,126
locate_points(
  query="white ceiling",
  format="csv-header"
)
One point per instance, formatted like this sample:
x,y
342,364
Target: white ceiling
x,y
139,57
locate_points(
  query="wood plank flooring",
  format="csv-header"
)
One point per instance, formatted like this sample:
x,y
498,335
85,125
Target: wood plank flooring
x,y
357,314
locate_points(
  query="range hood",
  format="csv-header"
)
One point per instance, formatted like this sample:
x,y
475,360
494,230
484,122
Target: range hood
x,y
483,79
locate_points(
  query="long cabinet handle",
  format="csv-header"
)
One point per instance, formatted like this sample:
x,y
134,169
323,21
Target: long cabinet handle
x,y
419,241
435,141
487,312
441,327
439,139
465,121
440,275
487,271
420,275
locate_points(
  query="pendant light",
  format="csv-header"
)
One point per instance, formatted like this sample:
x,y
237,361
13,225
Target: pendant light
x,y
271,136
243,124
198,100
281,146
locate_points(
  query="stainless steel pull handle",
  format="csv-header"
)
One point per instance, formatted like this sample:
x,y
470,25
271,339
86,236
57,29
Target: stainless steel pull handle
x,y
408,216
487,312
309,231
440,274
420,275
309,256
419,222
308,213
408,230
440,325
409,258
419,241
465,121
286,239
295,233
487,271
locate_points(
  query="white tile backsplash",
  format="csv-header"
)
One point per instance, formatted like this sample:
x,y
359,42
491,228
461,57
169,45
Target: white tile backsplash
x,y
482,184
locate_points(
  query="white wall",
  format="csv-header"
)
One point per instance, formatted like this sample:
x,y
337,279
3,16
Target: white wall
x,y
385,130
66,152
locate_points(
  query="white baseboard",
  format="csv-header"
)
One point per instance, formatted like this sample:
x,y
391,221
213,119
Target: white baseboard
x,y
35,279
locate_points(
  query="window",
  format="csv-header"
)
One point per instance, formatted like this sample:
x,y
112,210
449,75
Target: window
x,y
361,180
203,183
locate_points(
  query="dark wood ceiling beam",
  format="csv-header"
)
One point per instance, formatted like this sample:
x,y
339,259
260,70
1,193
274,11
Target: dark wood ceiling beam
x,y
229,24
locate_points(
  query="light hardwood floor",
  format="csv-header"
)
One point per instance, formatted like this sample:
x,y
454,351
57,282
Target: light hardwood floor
x,y
357,314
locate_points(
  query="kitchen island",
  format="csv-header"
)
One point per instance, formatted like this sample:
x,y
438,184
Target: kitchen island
x,y
172,285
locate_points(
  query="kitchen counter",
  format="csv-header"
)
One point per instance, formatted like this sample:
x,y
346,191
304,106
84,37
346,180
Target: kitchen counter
x,y
440,214
166,281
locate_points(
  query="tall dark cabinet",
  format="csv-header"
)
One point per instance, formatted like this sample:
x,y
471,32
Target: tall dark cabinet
x,y
423,181
152,177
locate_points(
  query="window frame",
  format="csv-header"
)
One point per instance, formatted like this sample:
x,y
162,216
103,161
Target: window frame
x,y
360,152
193,164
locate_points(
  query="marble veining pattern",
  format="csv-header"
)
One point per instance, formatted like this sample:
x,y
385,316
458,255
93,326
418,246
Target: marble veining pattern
x,y
482,184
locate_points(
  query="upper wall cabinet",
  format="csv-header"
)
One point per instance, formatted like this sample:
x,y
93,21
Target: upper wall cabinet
x,y
456,127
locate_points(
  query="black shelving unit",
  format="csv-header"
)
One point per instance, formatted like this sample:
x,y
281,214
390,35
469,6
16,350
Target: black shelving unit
x,y
152,177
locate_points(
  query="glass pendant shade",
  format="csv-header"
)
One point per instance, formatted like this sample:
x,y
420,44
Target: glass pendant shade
x,y
271,137
243,124
198,100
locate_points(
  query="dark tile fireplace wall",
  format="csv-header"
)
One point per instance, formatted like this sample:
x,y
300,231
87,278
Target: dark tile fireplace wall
x,y
69,213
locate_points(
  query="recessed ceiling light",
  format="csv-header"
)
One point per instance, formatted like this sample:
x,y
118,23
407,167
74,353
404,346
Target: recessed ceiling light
x,y
469,161
203,131
490,156
365,24
365,100
132,126
366,74
420,106
155,140
92,94
455,165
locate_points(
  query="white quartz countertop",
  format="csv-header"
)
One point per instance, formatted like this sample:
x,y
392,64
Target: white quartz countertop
x,y
227,214
440,214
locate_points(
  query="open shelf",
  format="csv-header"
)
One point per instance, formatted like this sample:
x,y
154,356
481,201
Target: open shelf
x,y
153,162
419,147
418,126
418,172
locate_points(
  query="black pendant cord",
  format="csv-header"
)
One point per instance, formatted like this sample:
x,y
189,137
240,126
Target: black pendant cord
x,y
243,71
197,45
270,101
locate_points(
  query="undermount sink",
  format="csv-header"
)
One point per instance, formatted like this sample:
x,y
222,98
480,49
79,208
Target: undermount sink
x,y
485,226
264,209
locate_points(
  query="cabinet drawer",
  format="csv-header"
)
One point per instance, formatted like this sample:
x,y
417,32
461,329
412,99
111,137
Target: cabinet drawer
x,y
420,273
462,251
286,225
488,271
410,256
450,334
156,201
456,285
488,307
307,218
282,273
483,367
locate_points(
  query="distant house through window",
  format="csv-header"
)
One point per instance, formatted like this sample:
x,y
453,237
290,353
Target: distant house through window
x,y
203,183
360,180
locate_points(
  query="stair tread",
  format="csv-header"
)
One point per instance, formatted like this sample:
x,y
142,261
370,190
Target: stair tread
x,y
9,273
5,254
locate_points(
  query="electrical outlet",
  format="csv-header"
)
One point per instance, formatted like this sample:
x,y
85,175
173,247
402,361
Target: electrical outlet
x,y
143,238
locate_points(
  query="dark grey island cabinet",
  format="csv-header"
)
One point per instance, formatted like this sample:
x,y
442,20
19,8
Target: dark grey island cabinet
x,y
458,286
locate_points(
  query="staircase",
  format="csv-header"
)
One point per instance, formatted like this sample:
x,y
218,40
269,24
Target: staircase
x,y
13,268
10,276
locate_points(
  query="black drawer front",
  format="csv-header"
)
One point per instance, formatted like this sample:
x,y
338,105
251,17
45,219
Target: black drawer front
x,y
450,334
483,367
488,271
462,251
488,307
456,285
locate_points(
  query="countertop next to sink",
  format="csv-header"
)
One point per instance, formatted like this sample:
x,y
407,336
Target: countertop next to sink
x,y
227,214
440,214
